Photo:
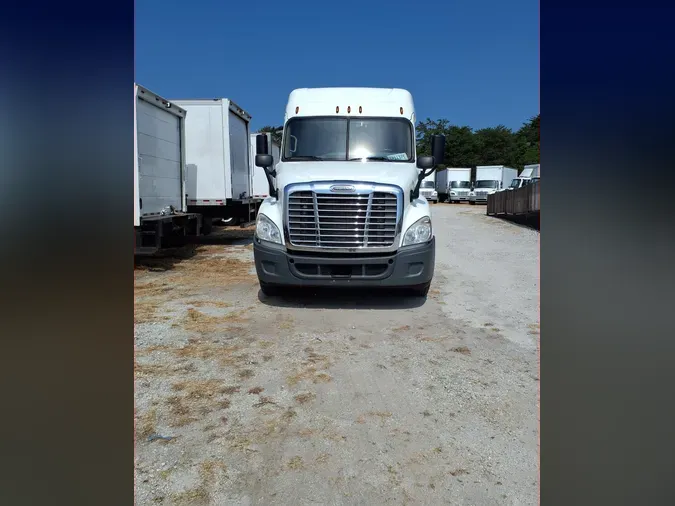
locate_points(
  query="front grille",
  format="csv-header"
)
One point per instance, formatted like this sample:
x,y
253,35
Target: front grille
x,y
326,220
462,193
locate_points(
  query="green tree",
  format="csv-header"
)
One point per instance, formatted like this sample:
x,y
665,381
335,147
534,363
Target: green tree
x,y
496,146
275,131
527,140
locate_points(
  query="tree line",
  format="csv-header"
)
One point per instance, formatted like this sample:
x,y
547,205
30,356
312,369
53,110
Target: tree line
x,y
466,147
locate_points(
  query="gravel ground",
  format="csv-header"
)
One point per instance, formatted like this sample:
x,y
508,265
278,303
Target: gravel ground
x,y
333,398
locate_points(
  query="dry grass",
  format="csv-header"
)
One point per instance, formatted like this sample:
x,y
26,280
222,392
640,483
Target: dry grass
x,y
403,328
461,349
197,349
201,389
246,374
255,390
459,472
146,424
296,463
146,311
305,398
309,374
207,303
382,415
202,323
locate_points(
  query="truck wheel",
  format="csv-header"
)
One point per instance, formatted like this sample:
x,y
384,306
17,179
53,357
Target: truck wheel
x,y
420,290
207,226
270,290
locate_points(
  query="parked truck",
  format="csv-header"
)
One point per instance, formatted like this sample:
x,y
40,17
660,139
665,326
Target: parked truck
x,y
529,174
345,207
259,178
160,211
219,179
453,184
428,188
490,179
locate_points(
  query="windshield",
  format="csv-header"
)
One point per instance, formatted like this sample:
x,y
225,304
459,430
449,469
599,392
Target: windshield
x,y
515,183
487,184
460,184
340,139
428,184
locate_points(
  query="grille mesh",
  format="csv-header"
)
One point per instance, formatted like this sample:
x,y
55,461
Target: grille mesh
x,y
326,220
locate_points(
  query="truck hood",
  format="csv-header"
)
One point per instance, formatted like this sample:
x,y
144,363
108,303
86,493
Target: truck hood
x,y
403,175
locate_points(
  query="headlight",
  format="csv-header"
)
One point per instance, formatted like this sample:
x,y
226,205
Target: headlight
x,y
266,230
453,194
434,193
419,232
472,194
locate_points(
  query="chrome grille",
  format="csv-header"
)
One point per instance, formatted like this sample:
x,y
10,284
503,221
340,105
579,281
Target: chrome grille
x,y
328,220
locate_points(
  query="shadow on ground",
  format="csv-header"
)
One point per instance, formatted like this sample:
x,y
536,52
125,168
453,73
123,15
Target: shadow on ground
x,y
165,259
228,236
531,223
341,298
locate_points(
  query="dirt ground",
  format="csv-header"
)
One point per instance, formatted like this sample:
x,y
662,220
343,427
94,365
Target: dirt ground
x,y
340,398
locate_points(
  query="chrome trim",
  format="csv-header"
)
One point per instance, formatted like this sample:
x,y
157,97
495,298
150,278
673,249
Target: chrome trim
x,y
320,189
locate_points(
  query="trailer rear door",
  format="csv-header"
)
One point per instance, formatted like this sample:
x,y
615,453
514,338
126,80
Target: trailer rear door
x,y
239,142
159,159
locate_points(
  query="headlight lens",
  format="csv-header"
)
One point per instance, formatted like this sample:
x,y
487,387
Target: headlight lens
x,y
266,230
453,193
419,232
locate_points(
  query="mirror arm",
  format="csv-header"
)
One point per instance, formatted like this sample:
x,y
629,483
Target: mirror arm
x,y
269,174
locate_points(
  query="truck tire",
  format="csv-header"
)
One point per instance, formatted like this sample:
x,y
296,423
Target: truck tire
x,y
420,290
207,225
270,290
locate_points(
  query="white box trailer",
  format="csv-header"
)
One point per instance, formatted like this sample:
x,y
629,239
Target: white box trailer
x,y
259,182
160,210
219,179
491,179
453,184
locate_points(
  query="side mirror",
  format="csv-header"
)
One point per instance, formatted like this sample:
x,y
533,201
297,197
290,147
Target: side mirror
x,y
261,147
265,161
425,162
438,148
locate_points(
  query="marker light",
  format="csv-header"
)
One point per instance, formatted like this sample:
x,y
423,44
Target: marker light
x,y
297,109
401,109
337,109
349,109
360,109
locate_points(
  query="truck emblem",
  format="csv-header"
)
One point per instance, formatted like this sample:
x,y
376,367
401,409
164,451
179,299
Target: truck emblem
x,y
342,188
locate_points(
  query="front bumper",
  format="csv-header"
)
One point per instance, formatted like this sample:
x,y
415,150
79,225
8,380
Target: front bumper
x,y
478,198
458,198
409,266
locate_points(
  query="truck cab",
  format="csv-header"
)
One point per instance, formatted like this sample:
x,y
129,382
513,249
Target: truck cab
x,y
428,188
345,208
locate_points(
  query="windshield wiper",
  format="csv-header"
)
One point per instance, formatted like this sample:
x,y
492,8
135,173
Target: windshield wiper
x,y
376,158
304,157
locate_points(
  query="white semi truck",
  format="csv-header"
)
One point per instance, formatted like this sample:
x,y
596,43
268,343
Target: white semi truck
x,y
453,184
259,182
160,211
345,207
428,188
526,176
219,179
490,179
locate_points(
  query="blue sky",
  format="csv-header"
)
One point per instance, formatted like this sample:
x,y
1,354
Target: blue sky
x,y
473,62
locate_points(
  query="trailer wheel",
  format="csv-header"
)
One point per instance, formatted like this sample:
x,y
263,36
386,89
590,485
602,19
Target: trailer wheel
x,y
207,225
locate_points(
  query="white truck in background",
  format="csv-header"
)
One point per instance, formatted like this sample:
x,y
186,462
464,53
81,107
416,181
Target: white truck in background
x,y
453,184
428,188
345,208
219,179
160,211
490,179
527,175
259,178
